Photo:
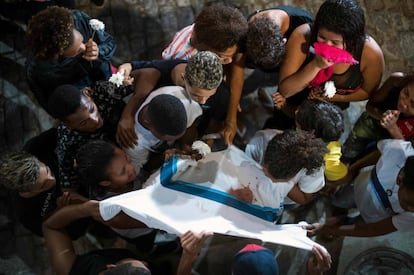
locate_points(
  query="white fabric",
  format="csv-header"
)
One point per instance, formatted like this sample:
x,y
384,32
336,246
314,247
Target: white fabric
x,y
307,183
146,140
393,155
176,211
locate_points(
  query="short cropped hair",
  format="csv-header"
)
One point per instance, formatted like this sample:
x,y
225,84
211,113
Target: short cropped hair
x,y
344,17
64,101
287,153
219,27
264,43
50,32
167,115
19,171
204,70
325,119
92,161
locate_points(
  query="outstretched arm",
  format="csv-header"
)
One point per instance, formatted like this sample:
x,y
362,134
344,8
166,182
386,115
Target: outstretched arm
x,y
191,243
58,243
382,227
236,86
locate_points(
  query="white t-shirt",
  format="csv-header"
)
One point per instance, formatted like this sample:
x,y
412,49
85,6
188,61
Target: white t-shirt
x,y
147,142
393,156
256,148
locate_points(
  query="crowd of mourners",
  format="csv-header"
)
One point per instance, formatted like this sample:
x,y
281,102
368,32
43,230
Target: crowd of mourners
x,y
117,123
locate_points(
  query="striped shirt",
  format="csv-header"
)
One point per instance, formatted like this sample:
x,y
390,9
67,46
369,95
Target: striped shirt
x,y
180,46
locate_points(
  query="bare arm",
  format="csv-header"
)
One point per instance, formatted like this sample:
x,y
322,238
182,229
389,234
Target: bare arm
x,y
191,243
382,93
236,86
58,243
299,196
382,227
293,78
372,68
145,80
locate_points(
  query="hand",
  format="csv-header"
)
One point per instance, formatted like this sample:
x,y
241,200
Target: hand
x,y
313,229
319,262
92,51
193,242
321,62
244,194
70,197
318,95
389,119
125,132
125,69
128,81
171,152
279,100
229,132
332,187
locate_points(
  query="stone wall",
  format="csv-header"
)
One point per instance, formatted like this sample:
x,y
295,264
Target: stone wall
x,y
143,28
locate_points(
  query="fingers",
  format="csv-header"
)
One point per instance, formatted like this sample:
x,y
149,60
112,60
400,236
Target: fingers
x,y
125,69
126,135
322,258
91,51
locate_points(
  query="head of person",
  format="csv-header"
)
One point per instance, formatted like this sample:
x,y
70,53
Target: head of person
x,y
24,173
101,167
265,45
406,99
255,260
340,23
405,180
290,151
127,266
75,108
323,118
51,34
220,29
166,117
203,75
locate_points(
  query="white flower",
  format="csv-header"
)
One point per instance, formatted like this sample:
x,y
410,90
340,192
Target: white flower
x,y
329,89
201,147
97,25
117,79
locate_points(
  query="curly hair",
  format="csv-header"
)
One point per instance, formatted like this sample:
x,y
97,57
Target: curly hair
x,y
264,43
92,161
204,70
325,119
50,32
219,27
19,171
167,115
287,153
344,17
64,101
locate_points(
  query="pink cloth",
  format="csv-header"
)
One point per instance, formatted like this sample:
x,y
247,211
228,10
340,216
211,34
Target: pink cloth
x,y
332,54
